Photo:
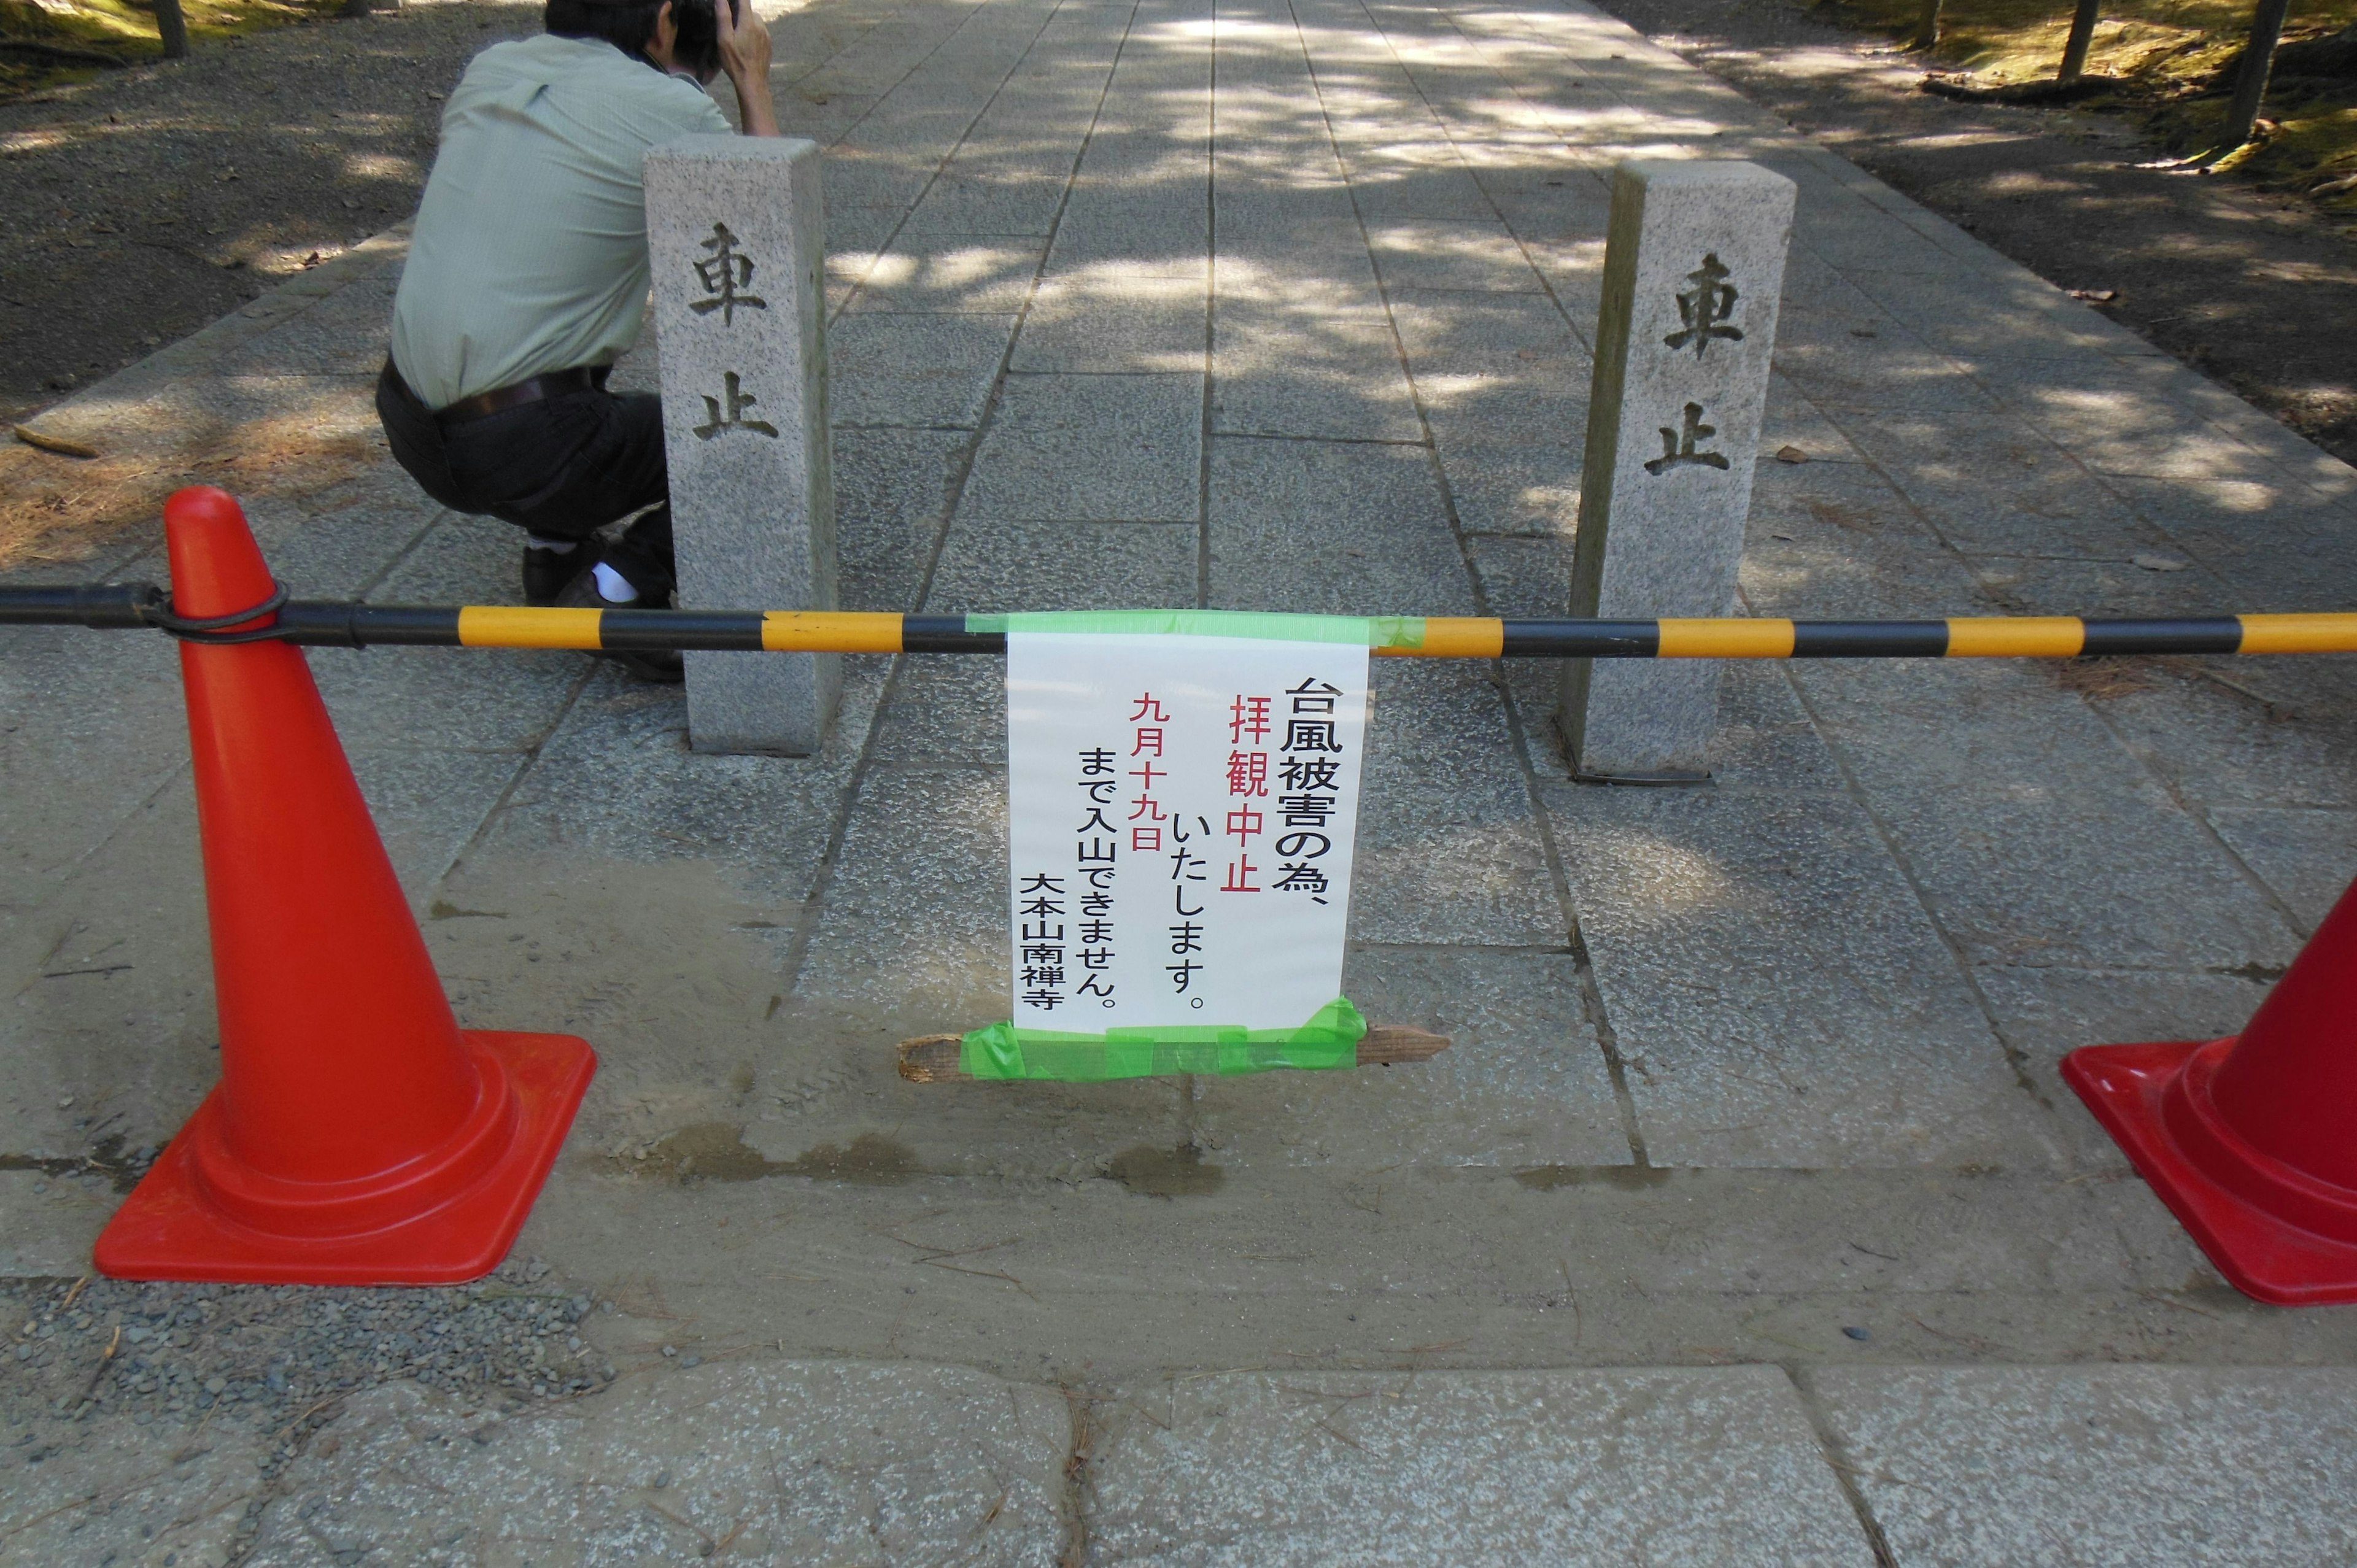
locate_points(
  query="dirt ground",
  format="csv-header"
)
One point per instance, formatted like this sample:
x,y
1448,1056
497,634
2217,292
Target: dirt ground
x,y
148,202
2255,290
143,204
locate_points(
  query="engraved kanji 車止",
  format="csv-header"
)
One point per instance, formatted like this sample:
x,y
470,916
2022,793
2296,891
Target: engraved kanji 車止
x,y
716,418
1707,309
723,274
1678,446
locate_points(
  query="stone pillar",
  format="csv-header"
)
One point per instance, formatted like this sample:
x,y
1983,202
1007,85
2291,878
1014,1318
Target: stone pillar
x,y
736,242
1692,271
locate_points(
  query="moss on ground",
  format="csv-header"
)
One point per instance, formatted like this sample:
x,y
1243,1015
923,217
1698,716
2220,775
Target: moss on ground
x,y
121,30
2174,62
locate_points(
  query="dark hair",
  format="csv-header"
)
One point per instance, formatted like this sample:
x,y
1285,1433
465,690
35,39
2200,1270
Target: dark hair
x,y
628,25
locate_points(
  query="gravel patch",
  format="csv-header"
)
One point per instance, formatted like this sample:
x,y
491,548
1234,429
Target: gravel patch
x,y
267,1365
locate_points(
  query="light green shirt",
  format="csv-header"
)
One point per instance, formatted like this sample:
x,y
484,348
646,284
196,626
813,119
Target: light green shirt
x,y
530,248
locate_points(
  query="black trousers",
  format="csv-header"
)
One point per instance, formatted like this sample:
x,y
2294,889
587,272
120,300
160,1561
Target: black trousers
x,y
561,468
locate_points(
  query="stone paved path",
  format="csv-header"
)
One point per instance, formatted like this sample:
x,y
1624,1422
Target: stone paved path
x,y
1289,308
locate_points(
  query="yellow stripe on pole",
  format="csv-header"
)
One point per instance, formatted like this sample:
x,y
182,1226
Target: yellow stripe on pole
x,y
513,626
1457,637
2315,633
2016,637
829,631
1734,638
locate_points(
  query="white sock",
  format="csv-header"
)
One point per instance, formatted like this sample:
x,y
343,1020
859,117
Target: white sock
x,y
558,546
612,586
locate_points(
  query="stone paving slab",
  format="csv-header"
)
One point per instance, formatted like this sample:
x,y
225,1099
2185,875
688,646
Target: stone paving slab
x,y
1769,981
2041,844
2308,858
1095,448
1120,1245
800,1461
1282,513
2044,1013
1112,325
934,372
51,1222
1450,847
117,1494
2248,735
70,793
930,272
2103,1464
1287,368
1524,1085
898,483
917,912
107,1029
1275,1470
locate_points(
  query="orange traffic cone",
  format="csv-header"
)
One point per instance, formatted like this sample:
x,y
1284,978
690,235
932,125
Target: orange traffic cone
x,y
2252,1141
358,1136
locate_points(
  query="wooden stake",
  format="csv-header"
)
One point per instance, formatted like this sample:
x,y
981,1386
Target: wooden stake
x,y
934,1057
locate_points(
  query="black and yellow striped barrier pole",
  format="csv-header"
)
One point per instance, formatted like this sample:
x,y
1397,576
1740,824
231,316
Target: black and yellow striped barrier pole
x,y
342,624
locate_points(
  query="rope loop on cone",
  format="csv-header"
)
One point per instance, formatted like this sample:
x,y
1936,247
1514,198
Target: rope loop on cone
x,y
157,610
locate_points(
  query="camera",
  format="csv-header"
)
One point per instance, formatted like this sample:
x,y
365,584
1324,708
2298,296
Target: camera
x,y
699,48
628,25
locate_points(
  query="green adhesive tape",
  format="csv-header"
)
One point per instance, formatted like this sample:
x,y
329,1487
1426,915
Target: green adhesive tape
x,y
1330,1039
1369,631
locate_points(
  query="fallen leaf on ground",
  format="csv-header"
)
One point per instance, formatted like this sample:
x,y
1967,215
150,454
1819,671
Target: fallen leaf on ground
x,y
2095,295
1791,455
2160,562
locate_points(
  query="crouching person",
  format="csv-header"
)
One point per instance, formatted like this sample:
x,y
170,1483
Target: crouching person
x,y
527,278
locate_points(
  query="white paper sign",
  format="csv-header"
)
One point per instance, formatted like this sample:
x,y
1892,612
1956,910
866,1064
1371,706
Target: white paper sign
x,y
1181,812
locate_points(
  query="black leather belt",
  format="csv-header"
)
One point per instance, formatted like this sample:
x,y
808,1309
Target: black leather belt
x,y
585,378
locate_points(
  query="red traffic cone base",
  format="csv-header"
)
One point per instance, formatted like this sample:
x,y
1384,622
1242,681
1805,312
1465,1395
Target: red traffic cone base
x,y
183,1222
2249,1140
358,1136
2237,1202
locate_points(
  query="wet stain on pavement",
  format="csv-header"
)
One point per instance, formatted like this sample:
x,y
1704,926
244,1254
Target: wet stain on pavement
x,y
713,1151
1165,1173
871,1158
1620,1178
122,1169
716,1151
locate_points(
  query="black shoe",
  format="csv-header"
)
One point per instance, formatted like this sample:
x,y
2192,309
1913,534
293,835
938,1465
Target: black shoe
x,y
548,573
657,666
664,666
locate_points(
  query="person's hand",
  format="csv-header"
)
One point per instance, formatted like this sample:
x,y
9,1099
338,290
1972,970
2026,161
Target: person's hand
x,y
744,42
